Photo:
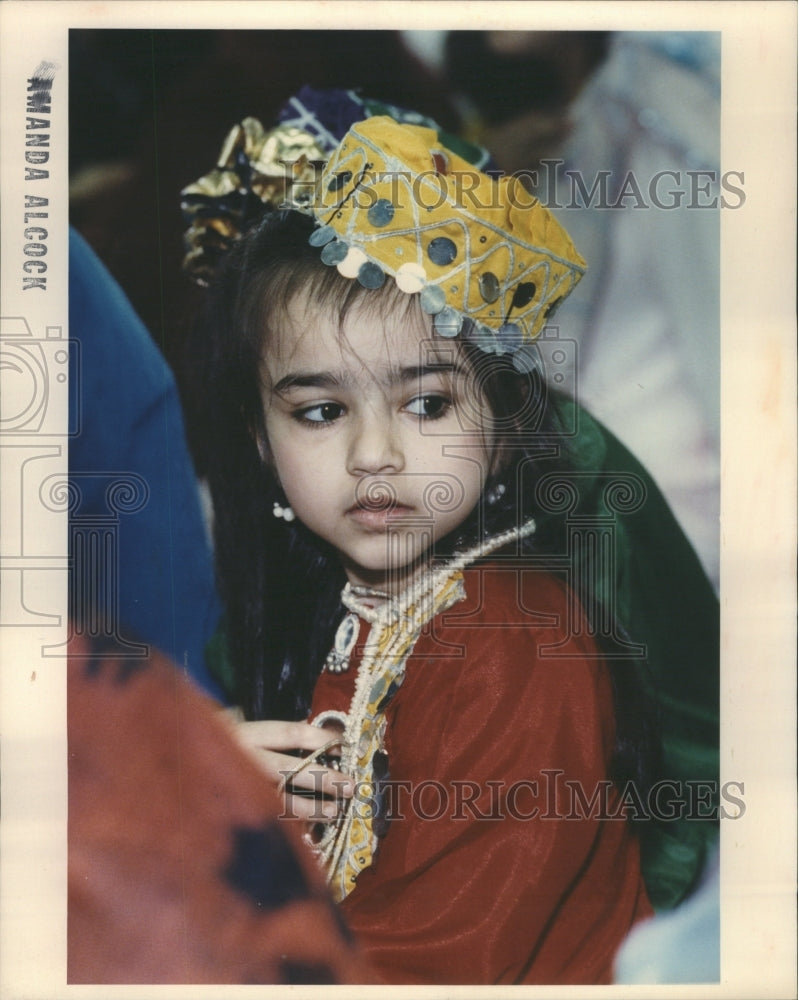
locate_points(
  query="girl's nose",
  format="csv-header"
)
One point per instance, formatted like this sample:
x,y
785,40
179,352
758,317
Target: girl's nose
x,y
374,448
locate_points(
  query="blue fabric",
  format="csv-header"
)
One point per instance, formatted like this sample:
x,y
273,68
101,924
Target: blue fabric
x,y
682,946
131,431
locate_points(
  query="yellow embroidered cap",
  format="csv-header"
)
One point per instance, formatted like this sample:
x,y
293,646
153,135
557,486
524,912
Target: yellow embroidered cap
x,y
488,259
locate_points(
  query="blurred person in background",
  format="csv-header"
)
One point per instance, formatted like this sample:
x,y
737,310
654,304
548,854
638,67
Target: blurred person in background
x,y
561,108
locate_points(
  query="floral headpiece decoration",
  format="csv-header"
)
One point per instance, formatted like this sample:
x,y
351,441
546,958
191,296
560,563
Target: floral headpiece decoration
x,y
395,200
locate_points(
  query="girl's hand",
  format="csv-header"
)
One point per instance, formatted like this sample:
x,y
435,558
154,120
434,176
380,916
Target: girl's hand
x,y
312,792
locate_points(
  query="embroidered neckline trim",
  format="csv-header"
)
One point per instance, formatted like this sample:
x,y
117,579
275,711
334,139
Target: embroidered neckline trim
x,y
348,845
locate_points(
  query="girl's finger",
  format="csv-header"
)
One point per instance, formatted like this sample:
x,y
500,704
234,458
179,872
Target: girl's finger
x,y
309,810
275,734
300,772
314,777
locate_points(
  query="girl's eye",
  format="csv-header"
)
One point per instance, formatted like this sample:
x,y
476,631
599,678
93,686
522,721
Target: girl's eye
x,y
431,407
322,413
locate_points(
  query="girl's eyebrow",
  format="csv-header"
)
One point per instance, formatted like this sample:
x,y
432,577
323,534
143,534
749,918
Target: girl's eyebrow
x,y
334,380
309,380
412,373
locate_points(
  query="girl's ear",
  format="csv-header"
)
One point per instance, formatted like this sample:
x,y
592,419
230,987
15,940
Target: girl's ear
x,y
263,449
500,459
258,435
522,398
503,446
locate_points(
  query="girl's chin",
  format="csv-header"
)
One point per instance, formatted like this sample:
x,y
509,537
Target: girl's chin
x,y
390,580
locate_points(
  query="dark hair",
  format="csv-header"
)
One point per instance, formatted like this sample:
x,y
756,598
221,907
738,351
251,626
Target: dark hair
x,y
280,584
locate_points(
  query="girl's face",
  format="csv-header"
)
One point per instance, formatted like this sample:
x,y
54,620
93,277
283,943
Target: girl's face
x,y
377,433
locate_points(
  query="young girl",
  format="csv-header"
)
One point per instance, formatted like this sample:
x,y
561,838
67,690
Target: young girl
x,y
381,435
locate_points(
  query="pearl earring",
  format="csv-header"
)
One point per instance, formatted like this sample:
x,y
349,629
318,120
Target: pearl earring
x,y
494,496
284,512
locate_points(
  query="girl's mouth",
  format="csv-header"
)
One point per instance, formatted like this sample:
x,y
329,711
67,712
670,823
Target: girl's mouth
x,y
378,517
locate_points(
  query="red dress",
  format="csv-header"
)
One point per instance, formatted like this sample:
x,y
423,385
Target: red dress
x,y
495,868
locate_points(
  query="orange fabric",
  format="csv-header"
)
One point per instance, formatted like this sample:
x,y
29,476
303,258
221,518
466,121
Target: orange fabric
x,y
180,870
484,711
